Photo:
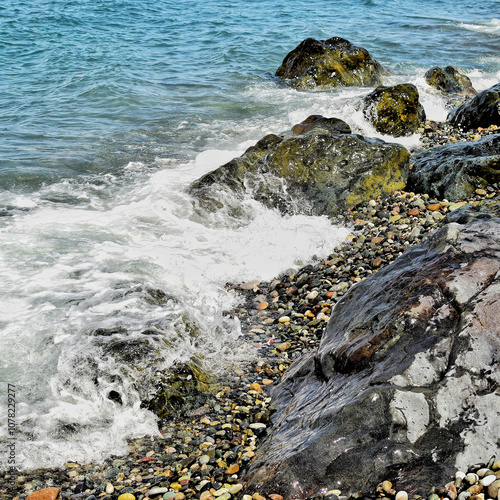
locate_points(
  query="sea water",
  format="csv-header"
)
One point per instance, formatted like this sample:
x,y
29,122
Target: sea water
x,y
109,109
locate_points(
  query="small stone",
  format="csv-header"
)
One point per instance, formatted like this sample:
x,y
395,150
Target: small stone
x,y
284,346
475,489
220,492
487,480
494,489
414,211
246,497
157,491
386,486
206,495
179,496
377,240
472,478
250,285
275,496
232,469
284,319
481,192
257,425
126,496
110,488
464,495
255,386
312,295
267,381
377,262
204,459
236,488
169,495
46,494
496,465
225,496
263,305
434,207
258,496
401,495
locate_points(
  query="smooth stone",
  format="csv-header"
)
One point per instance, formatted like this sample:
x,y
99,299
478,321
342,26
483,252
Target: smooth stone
x,y
45,494
204,459
206,495
494,489
225,496
169,495
126,496
465,495
250,285
236,488
179,496
487,480
275,496
402,495
110,488
257,425
157,491
472,478
232,469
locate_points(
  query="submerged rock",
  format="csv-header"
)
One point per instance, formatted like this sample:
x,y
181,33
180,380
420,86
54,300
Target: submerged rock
x,y
481,111
455,171
404,384
394,110
317,171
449,80
333,62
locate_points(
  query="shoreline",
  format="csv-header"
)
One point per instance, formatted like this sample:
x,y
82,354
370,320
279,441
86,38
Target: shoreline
x,y
205,452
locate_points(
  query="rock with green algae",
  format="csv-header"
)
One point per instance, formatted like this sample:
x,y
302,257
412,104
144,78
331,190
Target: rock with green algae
x,y
454,171
394,110
320,170
449,80
335,125
330,63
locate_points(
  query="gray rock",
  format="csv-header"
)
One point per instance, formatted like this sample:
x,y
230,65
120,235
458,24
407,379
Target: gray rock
x,y
404,385
481,111
455,171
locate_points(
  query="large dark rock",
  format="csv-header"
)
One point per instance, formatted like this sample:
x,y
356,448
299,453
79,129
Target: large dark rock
x,y
449,81
455,171
394,110
319,171
481,111
404,385
330,63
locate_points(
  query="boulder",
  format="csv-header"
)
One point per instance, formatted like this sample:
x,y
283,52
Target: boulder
x,y
482,110
449,81
404,385
330,63
318,172
335,125
454,171
394,110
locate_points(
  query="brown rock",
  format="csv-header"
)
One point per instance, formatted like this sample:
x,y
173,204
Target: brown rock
x,y
46,494
434,207
263,305
414,211
232,469
377,262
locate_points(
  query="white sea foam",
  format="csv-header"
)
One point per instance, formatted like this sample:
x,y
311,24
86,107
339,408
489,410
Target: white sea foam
x,y
68,271
486,27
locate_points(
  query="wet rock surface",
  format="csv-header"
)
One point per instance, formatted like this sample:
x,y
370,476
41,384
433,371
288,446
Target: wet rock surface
x,y
449,80
394,110
403,385
481,111
455,171
330,63
327,171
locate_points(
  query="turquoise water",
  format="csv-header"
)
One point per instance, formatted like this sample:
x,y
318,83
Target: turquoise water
x,y
108,110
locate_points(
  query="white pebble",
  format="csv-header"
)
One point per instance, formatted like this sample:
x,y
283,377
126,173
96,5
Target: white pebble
x,y
401,495
487,480
459,474
472,478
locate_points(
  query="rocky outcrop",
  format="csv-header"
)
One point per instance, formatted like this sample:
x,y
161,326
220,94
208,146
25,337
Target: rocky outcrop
x,y
334,125
455,171
449,81
481,111
330,63
404,385
394,110
320,172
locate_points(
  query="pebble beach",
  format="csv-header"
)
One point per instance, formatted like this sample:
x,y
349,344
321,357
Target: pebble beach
x,y
204,452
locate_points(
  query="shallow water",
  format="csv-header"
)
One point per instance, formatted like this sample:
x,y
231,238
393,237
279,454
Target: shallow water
x,y
108,110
